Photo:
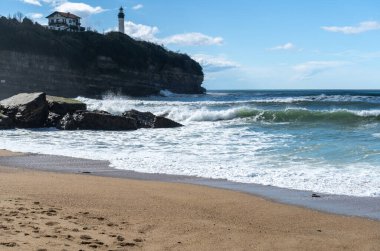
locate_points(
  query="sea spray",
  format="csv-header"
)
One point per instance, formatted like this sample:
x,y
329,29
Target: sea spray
x,y
323,141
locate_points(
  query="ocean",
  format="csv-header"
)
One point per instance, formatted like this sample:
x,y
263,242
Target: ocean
x,y
325,141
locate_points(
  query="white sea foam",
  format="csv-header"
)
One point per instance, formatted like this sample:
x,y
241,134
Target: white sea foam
x,y
211,150
167,93
219,141
376,135
194,100
209,110
366,113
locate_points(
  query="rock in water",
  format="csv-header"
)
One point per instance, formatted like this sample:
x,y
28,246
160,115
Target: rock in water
x,y
53,119
149,120
59,107
143,119
97,120
162,122
62,106
5,122
27,110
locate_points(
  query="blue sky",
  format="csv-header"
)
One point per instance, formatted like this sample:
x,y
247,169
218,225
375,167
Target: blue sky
x,y
247,44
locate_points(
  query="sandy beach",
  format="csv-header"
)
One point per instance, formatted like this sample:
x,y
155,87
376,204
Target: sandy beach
x,y
52,211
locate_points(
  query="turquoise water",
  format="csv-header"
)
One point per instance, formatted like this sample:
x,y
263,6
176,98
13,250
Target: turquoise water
x,y
321,140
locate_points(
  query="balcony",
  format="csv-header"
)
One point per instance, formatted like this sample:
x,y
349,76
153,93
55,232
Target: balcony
x,y
63,23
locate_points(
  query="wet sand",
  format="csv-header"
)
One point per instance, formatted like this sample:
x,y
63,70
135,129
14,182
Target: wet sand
x,y
66,211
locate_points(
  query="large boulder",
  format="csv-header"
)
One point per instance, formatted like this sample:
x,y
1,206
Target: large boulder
x,y
59,107
5,122
27,110
162,122
96,120
143,119
149,120
53,120
62,106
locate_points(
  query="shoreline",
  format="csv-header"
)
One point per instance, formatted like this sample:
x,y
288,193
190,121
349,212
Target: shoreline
x,y
365,207
51,210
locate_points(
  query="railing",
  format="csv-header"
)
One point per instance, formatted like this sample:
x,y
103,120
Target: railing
x,y
57,22
65,23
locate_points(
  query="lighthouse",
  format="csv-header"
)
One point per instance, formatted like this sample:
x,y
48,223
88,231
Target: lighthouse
x,y
121,20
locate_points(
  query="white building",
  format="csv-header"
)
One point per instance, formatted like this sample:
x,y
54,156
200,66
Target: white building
x,y
62,21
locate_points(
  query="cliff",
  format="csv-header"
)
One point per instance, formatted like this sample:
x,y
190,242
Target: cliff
x,y
89,64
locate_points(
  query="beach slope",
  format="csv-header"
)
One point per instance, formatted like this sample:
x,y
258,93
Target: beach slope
x,y
45,210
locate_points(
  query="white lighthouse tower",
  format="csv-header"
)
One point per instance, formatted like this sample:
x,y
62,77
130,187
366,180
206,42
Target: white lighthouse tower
x,y
121,20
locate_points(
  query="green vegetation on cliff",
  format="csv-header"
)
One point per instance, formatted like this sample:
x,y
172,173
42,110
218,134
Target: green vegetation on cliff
x,y
82,49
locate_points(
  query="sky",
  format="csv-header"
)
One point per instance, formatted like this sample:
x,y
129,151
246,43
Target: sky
x,y
246,44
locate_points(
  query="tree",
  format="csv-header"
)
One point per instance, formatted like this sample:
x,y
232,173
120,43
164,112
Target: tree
x,y
18,16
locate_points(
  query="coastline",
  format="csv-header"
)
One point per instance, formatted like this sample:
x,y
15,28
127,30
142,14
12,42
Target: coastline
x,y
75,211
366,207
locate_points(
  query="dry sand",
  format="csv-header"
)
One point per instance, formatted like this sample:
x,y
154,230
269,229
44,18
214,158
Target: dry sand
x,y
50,211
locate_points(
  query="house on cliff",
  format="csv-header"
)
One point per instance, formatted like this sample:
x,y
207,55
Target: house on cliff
x,y
62,21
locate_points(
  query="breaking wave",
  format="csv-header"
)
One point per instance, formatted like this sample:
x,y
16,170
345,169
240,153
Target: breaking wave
x,y
287,115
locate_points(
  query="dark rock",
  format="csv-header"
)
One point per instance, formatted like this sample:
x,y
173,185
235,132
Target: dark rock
x,y
102,112
53,119
162,122
27,110
314,195
31,72
149,120
62,106
143,119
86,120
5,122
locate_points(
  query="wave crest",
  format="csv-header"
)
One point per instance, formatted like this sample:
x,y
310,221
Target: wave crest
x,y
288,115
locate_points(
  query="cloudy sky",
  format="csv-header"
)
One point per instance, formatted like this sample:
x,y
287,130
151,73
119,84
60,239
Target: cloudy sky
x,y
247,44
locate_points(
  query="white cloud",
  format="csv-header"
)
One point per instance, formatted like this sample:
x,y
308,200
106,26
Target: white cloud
x,y
311,68
149,33
33,2
80,9
360,28
141,32
35,15
214,63
287,46
54,3
192,39
138,7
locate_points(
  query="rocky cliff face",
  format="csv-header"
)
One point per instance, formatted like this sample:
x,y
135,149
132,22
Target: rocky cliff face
x,y
26,72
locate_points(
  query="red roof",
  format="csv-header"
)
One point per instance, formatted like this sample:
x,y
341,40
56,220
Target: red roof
x,y
64,14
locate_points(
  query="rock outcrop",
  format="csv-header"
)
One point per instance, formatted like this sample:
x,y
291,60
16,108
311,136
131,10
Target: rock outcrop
x,y
89,64
149,120
97,120
26,110
21,72
143,119
162,122
62,106
36,110
5,122
59,107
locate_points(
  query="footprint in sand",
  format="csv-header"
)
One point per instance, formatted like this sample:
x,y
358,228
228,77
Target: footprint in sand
x,y
8,244
51,226
51,223
85,237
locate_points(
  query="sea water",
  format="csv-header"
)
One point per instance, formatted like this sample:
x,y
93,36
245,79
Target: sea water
x,y
323,140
